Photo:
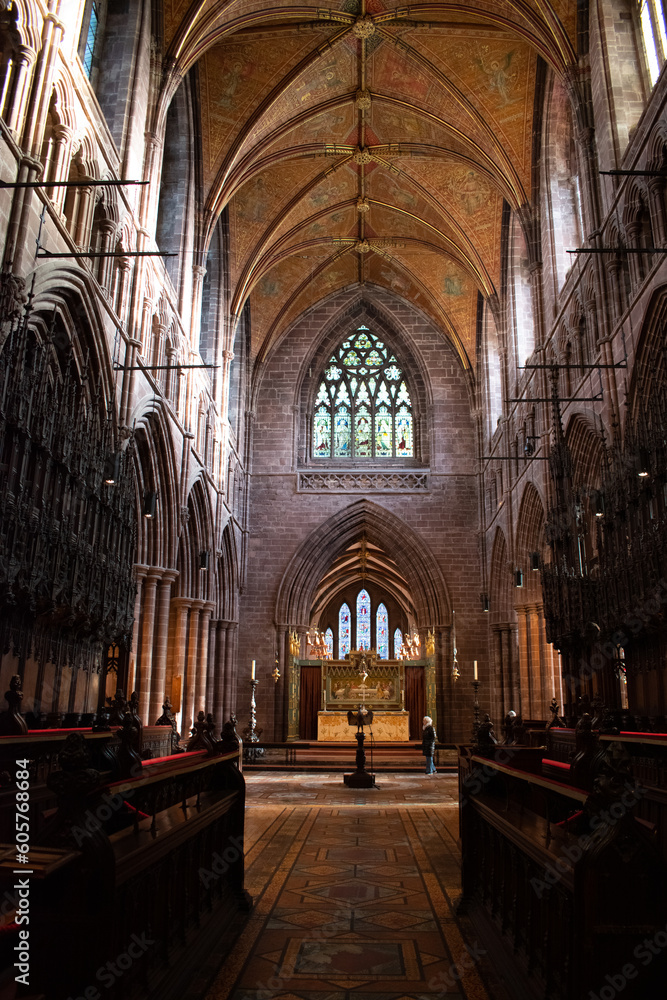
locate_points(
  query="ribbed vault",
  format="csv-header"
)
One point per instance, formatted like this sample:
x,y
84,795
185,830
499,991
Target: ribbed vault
x,y
301,581
362,142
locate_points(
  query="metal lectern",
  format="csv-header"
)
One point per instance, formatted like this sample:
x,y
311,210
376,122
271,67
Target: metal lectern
x,y
360,778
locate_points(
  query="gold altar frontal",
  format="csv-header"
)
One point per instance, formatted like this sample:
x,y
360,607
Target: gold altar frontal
x,y
388,727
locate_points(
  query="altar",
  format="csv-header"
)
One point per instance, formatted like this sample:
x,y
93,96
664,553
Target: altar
x,y
363,679
388,727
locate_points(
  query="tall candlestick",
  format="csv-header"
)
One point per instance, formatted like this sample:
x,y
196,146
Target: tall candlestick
x,y
252,675
474,667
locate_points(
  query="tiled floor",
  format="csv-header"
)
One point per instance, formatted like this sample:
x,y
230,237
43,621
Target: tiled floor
x,y
354,894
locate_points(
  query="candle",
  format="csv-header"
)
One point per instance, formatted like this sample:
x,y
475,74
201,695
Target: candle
x,y
252,675
474,667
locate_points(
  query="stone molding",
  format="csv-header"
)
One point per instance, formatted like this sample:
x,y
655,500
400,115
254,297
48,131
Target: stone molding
x,y
358,481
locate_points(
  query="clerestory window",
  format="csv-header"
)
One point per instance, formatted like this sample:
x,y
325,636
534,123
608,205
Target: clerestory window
x,y
91,37
363,407
654,36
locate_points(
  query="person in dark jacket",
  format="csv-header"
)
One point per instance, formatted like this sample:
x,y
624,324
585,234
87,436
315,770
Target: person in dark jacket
x,y
429,737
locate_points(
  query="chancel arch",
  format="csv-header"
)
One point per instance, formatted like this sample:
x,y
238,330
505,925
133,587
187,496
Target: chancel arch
x,y
362,543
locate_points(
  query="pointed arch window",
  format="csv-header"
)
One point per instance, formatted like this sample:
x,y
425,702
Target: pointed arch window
x,y
382,632
654,36
328,638
363,620
343,631
91,37
398,642
363,407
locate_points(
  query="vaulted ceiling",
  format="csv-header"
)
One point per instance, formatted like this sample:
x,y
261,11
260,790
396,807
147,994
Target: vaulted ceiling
x,y
366,143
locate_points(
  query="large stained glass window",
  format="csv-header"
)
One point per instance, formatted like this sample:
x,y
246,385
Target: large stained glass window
x,y
398,642
363,407
382,632
363,620
328,638
343,632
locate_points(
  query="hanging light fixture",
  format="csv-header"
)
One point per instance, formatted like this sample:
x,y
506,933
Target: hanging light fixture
x,y
150,505
518,578
112,469
203,560
485,602
535,561
644,468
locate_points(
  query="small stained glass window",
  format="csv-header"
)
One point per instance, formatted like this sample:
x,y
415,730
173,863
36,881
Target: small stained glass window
x,y
398,642
382,632
366,398
328,638
363,620
343,631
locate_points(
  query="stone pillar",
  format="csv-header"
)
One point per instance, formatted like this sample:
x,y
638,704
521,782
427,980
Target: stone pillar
x,y
282,686
178,654
16,97
17,240
42,85
198,275
537,665
220,706
128,380
510,653
82,222
104,265
633,232
190,685
152,173
656,188
124,280
202,667
147,634
615,271
62,149
232,703
500,666
158,679
140,573
524,659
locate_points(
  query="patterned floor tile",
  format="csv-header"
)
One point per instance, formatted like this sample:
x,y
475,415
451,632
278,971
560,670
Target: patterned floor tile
x,y
353,893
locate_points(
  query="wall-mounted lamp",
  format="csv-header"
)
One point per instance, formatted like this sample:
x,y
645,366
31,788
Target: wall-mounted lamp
x,y
485,601
150,505
598,505
112,469
518,578
534,561
203,560
644,467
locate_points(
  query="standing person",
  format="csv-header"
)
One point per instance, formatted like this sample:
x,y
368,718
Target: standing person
x,y
429,737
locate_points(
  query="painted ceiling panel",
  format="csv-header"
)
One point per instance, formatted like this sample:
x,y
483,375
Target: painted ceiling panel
x,y
258,204
333,190
353,143
278,287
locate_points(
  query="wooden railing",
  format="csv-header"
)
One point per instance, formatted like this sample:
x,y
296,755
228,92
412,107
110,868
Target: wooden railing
x,y
563,883
134,880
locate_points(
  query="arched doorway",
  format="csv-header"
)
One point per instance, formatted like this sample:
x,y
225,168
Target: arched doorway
x,y
375,558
